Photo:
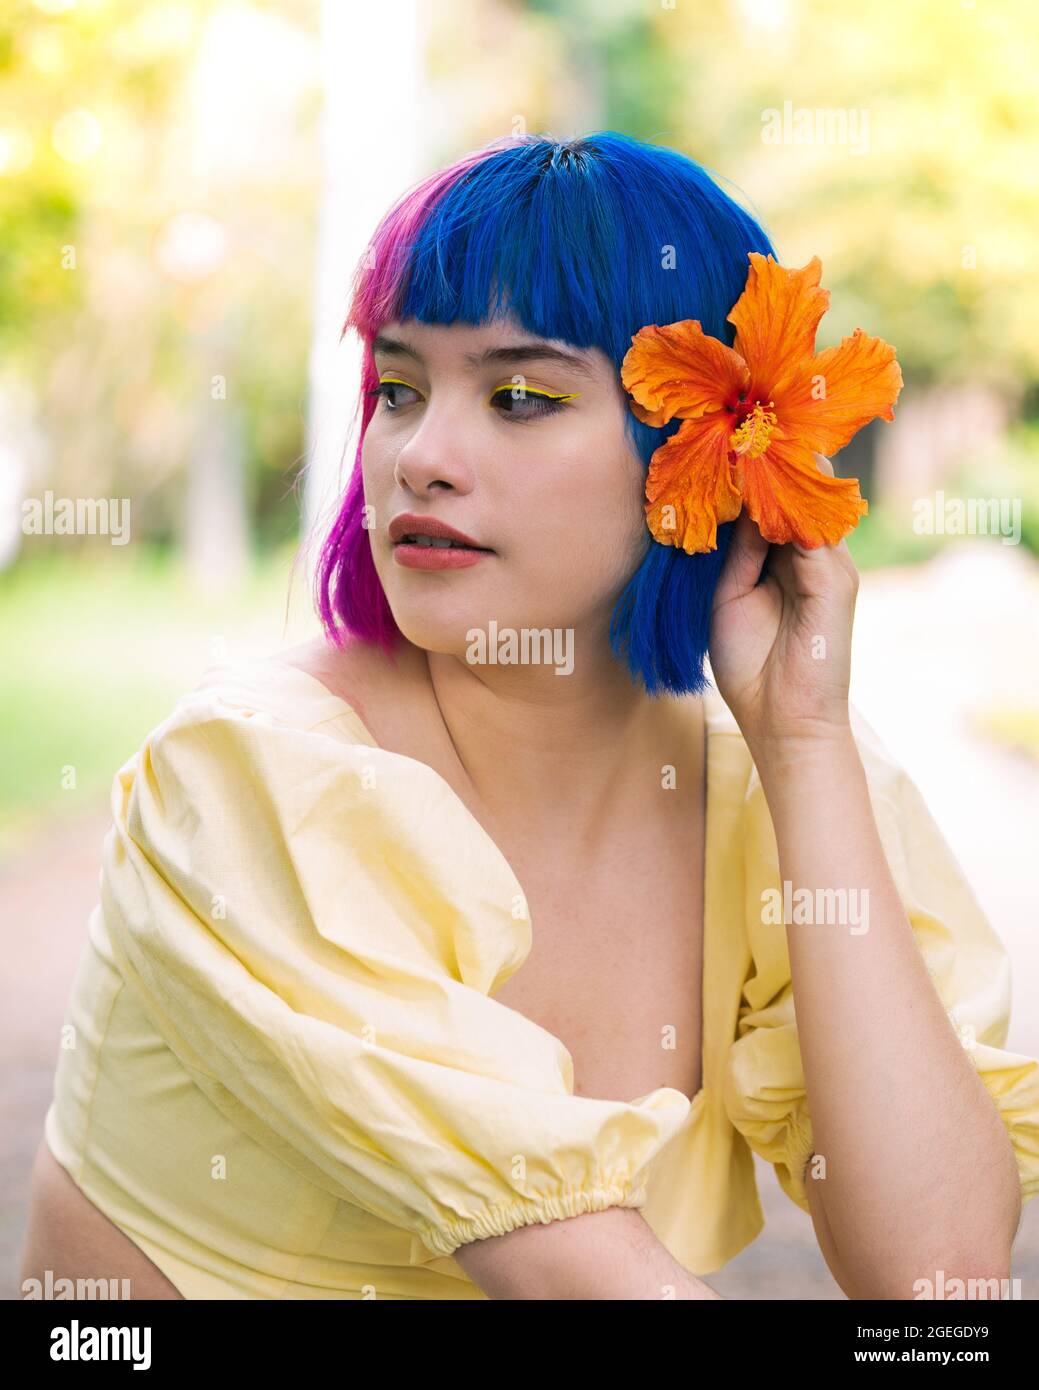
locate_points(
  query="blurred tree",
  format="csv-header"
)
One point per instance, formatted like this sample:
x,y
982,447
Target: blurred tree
x,y
892,145
159,170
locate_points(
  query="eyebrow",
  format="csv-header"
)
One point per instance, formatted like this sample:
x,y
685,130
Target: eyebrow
x,y
505,356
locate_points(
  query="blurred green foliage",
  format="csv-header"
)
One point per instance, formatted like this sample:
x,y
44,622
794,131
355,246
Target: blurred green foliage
x,y
157,236
907,175
1008,468
104,646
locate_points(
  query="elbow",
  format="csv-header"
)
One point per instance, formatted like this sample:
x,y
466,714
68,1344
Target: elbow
x,y
971,1262
975,1275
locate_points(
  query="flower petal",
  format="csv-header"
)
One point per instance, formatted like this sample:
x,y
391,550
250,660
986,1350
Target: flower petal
x,y
789,499
690,486
777,317
656,418
832,395
678,370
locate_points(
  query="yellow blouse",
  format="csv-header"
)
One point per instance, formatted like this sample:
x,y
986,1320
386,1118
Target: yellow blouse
x,y
287,1075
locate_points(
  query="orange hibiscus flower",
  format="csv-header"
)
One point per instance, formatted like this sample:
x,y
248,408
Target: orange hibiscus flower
x,y
754,414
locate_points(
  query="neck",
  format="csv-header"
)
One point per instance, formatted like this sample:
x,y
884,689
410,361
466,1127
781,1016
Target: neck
x,y
564,750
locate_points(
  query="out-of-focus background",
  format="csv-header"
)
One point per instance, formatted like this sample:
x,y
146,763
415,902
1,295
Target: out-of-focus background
x,y
186,187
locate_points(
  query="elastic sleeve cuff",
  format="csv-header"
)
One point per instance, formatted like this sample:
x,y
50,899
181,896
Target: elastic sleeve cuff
x,y
798,1149
509,1216
1012,1081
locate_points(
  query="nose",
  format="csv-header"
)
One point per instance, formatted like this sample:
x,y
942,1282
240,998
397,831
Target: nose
x,y
434,454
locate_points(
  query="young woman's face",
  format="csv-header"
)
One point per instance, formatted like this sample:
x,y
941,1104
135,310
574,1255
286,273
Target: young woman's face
x,y
467,432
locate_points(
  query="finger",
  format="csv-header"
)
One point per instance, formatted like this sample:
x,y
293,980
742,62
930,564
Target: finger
x,y
747,551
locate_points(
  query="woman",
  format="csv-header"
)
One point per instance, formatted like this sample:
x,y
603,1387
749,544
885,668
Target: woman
x,y
433,958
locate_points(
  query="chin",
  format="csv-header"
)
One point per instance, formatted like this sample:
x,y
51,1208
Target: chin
x,y
436,629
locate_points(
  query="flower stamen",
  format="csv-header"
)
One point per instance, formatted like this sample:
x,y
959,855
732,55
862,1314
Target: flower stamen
x,y
753,434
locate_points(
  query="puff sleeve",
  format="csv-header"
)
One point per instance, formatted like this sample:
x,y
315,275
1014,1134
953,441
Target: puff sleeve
x,y
764,1089
315,927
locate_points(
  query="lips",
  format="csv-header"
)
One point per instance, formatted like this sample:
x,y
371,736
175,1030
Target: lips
x,y
424,542
409,528
437,557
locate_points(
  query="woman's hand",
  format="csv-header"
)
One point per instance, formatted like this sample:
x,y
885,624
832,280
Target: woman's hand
x,y
781,650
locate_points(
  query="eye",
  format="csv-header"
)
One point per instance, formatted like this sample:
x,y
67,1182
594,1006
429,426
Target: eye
x,y
521,403
389,389
514,401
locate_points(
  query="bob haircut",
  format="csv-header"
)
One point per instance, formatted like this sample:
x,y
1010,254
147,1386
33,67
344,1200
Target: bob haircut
x,y
588,240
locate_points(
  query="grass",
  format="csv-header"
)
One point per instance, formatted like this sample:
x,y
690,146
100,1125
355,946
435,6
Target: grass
x,y
98,649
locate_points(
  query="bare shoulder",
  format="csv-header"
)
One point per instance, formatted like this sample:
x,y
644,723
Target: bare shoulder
x,y
369,679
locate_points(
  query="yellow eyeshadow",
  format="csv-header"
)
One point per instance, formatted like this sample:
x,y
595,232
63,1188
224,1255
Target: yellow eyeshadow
x,y
532,391
505,386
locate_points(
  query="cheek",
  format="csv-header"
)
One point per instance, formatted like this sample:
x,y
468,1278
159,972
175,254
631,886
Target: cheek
x,y
378,460
600,500
374,465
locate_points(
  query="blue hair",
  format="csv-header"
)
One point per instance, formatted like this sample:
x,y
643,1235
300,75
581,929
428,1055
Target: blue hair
x,y
584,240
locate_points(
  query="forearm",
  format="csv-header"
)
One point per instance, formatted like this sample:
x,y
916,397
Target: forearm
x,y
920,1174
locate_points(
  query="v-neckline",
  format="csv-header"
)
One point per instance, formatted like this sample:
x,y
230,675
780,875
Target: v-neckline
x,y
343,707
